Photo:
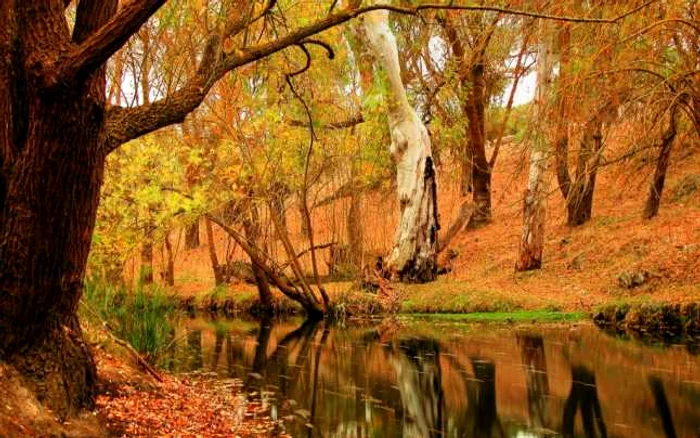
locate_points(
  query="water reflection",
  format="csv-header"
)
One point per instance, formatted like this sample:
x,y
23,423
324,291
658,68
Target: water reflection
x,y
657,388
583,395
533,358
418,376
433,380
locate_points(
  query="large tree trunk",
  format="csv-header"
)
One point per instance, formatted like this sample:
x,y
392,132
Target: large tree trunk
x,y
532,237
413,257
471,77
651,207
466,163
52,159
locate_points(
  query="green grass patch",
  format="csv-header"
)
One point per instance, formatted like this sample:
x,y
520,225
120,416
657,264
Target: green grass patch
x,y
516,316
144,317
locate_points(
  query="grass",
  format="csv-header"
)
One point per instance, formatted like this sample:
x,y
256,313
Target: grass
x,y
445,296
143,317
517,316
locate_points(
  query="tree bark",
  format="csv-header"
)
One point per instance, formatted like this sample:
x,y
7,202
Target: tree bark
x,y
579,203
532,237
251,226
561,142
481,180
466,164
192,235
354,229
414,254
471,77
169,274
651,207
215,267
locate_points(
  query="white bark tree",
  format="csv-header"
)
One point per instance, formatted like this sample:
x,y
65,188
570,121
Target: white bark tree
x,y
413,257
534,212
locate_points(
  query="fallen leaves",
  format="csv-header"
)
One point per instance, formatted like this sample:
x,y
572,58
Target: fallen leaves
x,y
181,406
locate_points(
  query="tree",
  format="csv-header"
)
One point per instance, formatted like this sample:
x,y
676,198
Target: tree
x,y
478,82
413,257
532,238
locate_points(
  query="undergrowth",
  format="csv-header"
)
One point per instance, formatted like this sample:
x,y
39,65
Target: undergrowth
x,y
144,317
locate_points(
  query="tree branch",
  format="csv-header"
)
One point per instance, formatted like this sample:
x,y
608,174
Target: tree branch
x,y
127,124
102,44
353,120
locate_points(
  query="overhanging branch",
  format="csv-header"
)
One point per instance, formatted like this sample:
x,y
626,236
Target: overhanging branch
x,y
126,124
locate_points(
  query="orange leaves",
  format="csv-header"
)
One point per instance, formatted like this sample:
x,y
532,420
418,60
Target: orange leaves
x,y
182,407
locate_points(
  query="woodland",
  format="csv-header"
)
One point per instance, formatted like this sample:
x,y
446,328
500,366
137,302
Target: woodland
x,y
333,160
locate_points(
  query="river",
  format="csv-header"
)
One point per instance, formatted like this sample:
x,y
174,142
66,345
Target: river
x,y
433,377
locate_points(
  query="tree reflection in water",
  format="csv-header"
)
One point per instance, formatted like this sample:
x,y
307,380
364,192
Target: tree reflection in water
x,y
657,388
194,350
532,353
584,394
419,379
481,394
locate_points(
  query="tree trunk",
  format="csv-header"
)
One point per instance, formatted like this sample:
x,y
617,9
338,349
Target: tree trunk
x,y
251,226
354,226
169,274
579,203
192,235
51,165
413,257
466,169
472,79
532,238
216,268
146,269
561,142
651,207
481,180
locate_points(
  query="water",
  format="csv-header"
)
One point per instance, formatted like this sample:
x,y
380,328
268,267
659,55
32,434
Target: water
x,y
430,378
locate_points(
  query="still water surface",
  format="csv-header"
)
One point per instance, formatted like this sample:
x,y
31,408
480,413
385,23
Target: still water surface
x,y
437,378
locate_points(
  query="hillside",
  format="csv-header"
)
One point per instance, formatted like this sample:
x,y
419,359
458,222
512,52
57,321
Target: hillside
x,y
583,266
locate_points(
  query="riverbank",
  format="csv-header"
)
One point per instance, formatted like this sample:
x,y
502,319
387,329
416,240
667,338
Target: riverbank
x,y
131,402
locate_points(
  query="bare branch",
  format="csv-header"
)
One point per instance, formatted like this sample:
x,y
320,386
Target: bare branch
x,y
353,120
